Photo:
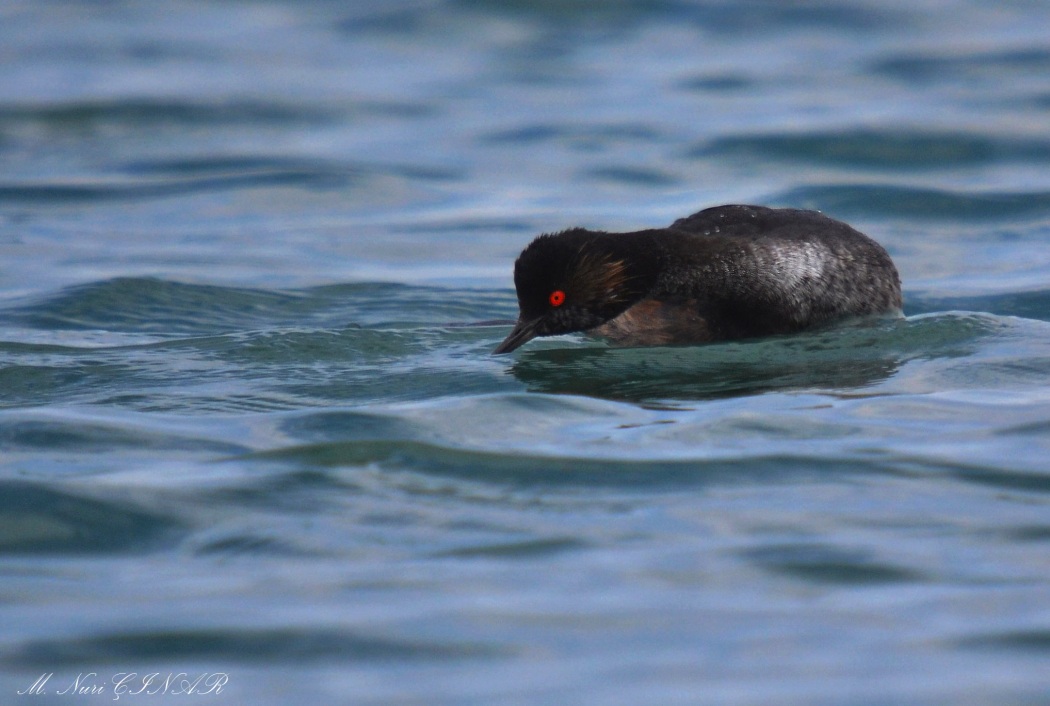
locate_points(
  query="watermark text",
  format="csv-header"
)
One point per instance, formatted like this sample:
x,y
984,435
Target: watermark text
x,y
128,684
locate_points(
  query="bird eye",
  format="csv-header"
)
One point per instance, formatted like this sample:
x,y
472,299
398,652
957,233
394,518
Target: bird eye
x,y
557,298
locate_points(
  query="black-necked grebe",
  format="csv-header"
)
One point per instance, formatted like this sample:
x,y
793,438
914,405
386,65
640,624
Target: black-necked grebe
x,y
724,273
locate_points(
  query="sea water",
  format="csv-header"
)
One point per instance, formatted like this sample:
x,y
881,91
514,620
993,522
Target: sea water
x,y
254,448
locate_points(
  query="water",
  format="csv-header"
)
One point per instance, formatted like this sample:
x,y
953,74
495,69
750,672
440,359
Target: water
x,y
250,434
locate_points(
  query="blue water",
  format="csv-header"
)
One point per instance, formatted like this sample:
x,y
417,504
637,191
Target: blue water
x,y
251,431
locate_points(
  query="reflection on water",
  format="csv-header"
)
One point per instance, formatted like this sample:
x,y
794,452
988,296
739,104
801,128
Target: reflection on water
x,y
844,358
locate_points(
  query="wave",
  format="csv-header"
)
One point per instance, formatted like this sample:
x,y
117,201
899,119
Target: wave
x,y
235,645
879,149
156,306
932,67
1029,305
37,519
848,357
918,203
152,179
76,116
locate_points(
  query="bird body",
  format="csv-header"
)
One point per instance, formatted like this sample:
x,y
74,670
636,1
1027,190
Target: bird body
x,y
724,273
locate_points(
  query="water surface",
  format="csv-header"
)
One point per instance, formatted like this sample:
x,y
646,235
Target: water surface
x,y
254,258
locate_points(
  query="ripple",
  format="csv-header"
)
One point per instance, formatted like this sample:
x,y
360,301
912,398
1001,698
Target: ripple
x,y
1029,305
632,176
80,115
875,149
36,384
306,346
718,83
839,358
528,549
237,646
244,166
146,305
893,201
1035,640
715,17
819,563
925,68
157,179
1004,478
98,190
588,136
517,467
38,520
23,432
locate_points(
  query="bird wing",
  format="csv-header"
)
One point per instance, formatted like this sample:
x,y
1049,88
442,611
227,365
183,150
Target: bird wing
x,y
754,221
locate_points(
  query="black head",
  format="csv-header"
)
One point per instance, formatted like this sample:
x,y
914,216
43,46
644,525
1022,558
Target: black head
x,y
574,281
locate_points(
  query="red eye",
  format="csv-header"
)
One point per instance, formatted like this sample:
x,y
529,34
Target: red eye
x,y
557,298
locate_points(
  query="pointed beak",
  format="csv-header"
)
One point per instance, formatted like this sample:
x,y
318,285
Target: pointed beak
x,y
524,331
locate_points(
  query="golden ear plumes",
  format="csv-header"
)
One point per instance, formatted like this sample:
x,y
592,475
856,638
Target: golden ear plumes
x,y
598,277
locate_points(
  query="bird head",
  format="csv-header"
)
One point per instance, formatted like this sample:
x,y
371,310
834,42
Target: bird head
x,y
571,281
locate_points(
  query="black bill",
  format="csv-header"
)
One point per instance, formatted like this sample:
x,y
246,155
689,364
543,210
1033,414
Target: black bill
x,y
524,331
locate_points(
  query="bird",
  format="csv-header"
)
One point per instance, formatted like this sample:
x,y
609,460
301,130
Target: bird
x,y
724,273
